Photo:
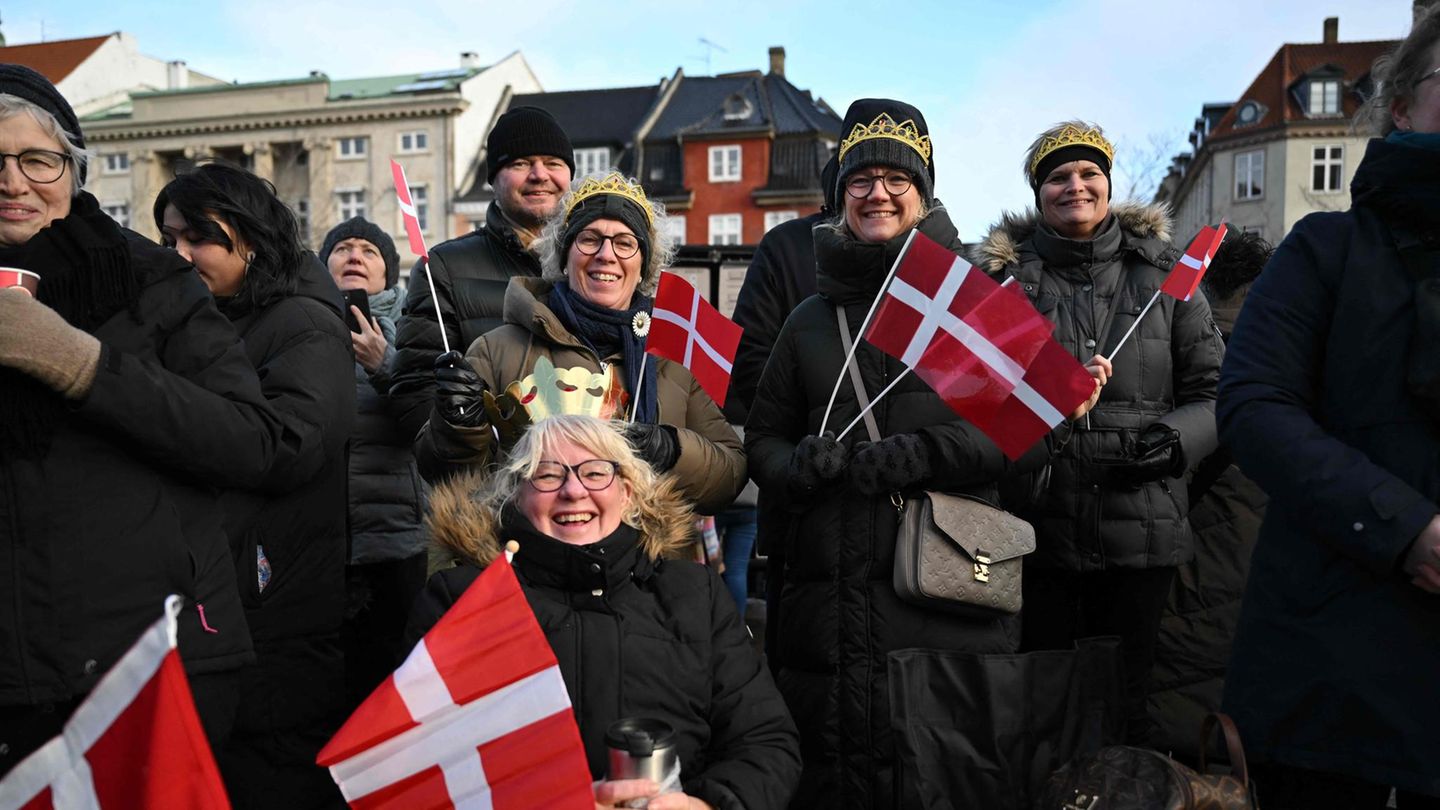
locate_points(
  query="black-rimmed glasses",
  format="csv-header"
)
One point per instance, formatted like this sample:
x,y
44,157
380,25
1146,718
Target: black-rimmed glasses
x,y
38,165
595,474
624,244
896,183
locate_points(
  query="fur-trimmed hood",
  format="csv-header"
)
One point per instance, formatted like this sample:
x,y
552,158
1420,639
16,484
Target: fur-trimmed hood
x,y
462,528
1001,247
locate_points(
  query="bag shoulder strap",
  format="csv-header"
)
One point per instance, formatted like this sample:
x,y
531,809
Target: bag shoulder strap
x,y
864,400
1233,748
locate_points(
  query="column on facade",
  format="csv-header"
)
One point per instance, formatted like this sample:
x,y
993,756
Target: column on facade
x,y
147,177
262,159
323,215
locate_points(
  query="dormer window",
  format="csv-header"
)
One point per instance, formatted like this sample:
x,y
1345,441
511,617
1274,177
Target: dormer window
x,y
1249,113
1324,97
737,107
1318,92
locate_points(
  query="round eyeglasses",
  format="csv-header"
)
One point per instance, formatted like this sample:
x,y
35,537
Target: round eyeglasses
x,y
625,245
38,165
896,183
595,474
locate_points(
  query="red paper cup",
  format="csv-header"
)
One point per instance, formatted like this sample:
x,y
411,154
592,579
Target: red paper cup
x,y
15,277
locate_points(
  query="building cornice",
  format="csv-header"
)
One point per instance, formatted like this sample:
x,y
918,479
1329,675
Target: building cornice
x,y
127,129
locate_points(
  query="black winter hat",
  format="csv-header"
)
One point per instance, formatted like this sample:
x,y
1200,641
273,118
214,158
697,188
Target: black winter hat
x,y
21,81
883,151
362,228
526,131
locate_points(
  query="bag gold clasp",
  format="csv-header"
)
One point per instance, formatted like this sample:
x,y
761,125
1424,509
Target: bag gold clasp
x,y
982,567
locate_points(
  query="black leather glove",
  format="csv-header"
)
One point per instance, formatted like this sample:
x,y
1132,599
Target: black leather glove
x,y
816,459
458,391
1154,455
657,444
890,465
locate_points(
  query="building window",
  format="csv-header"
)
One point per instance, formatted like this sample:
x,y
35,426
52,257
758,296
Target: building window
x,y
724,165
773,218
414,142
1250,175
302,219
352,148
724,229
1327,168
1325,97
675,227
120,212
351,203
115,163
420,198
592,161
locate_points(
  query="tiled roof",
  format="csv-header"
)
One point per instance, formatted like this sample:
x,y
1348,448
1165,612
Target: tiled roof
x,y
595,117
1272,89
54,60
712,105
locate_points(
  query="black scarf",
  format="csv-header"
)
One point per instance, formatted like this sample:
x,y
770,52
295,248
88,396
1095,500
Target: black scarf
x,y
546,562
606,331
86,276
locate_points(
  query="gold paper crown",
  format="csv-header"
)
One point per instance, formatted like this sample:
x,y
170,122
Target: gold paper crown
x,y
612,183
1071,135
885,127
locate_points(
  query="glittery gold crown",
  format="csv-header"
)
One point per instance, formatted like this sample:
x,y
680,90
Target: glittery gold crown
x,y
885,127
1071,135
612,183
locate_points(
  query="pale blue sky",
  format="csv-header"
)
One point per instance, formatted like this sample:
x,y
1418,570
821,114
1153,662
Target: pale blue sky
x,y
988,75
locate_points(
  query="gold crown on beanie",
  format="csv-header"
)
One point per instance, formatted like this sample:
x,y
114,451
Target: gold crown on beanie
x,y
612,183
1071,135
885,127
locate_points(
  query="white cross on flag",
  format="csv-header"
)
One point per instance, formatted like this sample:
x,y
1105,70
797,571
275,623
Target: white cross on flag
x,y
683,322
1185,276
134,743
407,211
476,717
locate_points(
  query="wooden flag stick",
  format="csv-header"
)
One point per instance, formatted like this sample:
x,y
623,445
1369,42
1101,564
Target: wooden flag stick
x,y
1140,317
639,384
857,419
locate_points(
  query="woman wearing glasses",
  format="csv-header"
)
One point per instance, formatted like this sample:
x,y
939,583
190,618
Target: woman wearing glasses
x,y
574,342
637,632
839,615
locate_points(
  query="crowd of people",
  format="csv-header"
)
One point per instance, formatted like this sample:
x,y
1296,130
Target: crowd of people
x,y
1249,499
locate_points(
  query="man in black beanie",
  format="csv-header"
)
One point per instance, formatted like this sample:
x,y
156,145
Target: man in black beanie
x,y
529,162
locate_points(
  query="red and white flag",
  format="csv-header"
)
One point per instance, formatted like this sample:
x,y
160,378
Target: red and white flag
x,y
686,329
1054,385
134,743
407,210
957,329
1184,277
476,717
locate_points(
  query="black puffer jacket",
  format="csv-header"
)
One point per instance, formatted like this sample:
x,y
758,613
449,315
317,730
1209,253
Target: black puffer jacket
x,y
470,274
637,633
839,614
1167,372
301,347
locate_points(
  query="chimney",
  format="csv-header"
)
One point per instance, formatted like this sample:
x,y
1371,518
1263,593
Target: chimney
x,y
1332,30
469,59
176,76
777,60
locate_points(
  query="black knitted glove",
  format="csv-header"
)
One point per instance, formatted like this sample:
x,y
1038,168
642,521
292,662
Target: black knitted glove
x,y
816,459
657,444
892,464
1153,456
458,391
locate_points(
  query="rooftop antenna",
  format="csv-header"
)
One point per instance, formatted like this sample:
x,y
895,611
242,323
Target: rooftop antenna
x,y
710,48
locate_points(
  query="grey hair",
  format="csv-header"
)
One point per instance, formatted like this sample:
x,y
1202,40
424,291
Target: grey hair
x,y
11,106
1399,72
1050,133
550,245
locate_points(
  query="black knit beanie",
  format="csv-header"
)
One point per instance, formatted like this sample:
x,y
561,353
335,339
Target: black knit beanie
x,y
362,228
21,81
884,151
610,206
526,131
828,185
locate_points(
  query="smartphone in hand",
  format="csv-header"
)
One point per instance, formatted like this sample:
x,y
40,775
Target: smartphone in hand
x,y
360,300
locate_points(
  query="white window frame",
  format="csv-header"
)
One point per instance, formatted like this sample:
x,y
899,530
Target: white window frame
x,y
675,227
420,198
352,148
115,163
592,160
727,227
118,211
1324,97
1252,166
724,163
1333,165
773,218
415,146
350,202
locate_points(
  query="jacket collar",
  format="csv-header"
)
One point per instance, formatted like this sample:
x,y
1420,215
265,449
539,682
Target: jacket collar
x,y
1005,244
546,562
849,271
1403,182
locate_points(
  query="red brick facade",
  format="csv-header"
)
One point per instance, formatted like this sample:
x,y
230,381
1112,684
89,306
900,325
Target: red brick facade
x,y
730,197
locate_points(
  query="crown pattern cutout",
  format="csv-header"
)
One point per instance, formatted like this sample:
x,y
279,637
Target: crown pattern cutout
x,y
612,183
547,391
1071,135
885,127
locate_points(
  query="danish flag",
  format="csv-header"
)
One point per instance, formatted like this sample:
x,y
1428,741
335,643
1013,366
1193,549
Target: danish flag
x,y
476,717
1184,277
683,322
407,210
134,743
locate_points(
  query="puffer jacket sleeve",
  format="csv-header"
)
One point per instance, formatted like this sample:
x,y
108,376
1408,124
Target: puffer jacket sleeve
x,y
711,466
777,416
443,449
1196,351
754,751
1269,394
760,311
418,343
963,457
